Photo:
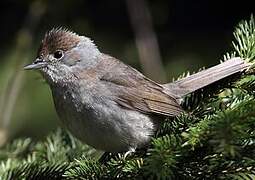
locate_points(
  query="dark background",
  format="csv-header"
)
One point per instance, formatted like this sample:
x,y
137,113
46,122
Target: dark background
x,y
190,35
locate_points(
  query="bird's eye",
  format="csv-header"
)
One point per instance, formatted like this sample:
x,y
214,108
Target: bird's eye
x,y
58,54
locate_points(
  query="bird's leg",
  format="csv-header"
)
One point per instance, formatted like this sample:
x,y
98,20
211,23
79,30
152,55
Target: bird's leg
x,y
129,152
108,155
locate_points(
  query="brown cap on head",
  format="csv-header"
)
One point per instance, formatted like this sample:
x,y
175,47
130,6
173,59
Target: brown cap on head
x,y
57,39
57,42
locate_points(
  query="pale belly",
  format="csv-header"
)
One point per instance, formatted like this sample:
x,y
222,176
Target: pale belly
x,y
107,127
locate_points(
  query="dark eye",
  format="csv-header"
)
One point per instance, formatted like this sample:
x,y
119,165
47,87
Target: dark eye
x,y
58,54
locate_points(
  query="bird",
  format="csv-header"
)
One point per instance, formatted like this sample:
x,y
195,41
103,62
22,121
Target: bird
x,y
106,103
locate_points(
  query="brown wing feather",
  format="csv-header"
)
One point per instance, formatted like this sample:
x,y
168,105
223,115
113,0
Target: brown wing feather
x,y
150,102
135,91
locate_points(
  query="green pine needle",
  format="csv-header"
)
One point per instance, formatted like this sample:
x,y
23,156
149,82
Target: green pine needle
x,y
215,139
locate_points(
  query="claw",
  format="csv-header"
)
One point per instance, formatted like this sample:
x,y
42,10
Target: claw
x,y
129,153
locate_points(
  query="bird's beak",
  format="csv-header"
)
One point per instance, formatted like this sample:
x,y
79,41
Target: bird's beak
x,y
37,64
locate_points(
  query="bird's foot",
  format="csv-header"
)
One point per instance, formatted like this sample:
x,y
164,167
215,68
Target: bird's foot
x,y
129,153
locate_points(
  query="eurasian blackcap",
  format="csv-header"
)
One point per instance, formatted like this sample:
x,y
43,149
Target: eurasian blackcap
x,y
106,103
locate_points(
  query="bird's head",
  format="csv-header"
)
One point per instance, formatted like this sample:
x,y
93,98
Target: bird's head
x,y
61,51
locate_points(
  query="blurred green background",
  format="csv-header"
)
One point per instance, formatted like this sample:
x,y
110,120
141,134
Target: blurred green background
x,y
161,38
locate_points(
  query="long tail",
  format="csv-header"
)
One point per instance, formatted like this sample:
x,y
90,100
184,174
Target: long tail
x,y
206,77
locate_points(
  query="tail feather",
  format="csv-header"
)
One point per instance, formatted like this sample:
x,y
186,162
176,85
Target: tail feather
x,y
206,77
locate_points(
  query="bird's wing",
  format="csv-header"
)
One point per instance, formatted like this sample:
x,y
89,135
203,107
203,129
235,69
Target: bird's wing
x,y
134,91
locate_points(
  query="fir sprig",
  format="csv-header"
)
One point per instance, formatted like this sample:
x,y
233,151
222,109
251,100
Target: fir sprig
x,y
214,140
